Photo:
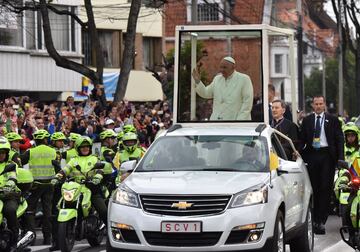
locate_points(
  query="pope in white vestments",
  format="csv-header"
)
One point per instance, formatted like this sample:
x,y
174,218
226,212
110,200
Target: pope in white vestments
x,y
231,91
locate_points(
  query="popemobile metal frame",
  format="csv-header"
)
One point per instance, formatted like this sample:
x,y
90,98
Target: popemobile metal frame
x,y
266,33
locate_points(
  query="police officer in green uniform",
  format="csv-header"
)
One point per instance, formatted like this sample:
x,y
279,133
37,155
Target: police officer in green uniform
x,y
14,139
131,150
57,141
40,160
71,152
351,146
107,154
8,182
119,139
85,162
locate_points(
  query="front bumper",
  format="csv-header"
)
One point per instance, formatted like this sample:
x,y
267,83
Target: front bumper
x,y
216,230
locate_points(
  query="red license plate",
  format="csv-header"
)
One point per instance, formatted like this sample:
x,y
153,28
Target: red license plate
x,y
181,227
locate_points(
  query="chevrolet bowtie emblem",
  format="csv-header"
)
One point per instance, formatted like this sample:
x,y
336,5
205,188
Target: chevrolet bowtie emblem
x,y
182,205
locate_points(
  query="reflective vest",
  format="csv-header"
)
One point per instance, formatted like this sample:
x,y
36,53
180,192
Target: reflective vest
x,y
86,163
70,154
40,162
103,149
351,153
11,155
6,176
126,156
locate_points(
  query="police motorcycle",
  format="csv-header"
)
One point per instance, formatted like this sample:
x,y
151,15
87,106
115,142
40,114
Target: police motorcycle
x,y
77,217
342,190
25,180
350,231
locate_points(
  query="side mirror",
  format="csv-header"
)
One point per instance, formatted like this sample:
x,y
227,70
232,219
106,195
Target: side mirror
x,y
288,167
9,168
128,166
343,164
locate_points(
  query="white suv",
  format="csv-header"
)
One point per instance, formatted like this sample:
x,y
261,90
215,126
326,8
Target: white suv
x,y
222,188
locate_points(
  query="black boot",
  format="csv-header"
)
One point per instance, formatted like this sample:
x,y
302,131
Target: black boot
x,y
47,241
54,246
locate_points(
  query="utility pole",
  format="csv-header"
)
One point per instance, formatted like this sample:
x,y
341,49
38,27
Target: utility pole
x,y
194,19
323,75
341,77
301,96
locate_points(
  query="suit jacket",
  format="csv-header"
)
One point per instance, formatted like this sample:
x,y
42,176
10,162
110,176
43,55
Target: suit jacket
x,y
333,132
288,128
233,98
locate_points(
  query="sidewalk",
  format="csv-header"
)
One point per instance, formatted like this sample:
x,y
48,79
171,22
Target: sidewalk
x,y
340,246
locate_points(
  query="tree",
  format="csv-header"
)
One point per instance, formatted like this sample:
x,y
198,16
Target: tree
x,y
313,84
346,16
129,51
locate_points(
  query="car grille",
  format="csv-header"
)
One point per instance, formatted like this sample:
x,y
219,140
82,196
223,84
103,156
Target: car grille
x,y
184,205
182,239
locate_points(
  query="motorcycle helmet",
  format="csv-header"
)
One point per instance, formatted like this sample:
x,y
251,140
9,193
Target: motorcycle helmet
x,y
130,142
129,128
74,136
5,146
57,136
41,134
12,136
81,142
107,134
351,128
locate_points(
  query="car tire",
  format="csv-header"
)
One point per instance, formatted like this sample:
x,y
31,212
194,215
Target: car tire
x,y
305,241
278,244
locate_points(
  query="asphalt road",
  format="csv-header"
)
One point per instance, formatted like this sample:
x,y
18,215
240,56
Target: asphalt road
x,y
330,242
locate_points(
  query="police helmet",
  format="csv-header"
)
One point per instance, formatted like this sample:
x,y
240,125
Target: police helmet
x,y
130,141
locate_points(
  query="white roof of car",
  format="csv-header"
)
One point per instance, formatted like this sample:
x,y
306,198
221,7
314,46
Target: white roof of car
x,y
216,130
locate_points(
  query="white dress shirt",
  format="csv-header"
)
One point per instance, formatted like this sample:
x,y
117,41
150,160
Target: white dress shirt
x,y
323,140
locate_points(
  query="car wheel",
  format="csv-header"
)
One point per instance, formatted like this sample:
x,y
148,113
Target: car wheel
x,y
278,244
305,241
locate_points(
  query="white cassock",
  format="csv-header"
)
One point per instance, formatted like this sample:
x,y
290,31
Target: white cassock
x,y
232,97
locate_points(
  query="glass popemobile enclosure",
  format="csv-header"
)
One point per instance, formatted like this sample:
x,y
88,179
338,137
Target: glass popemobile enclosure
x,y
222,73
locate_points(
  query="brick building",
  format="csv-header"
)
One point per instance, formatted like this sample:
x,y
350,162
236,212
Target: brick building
x,y
319,33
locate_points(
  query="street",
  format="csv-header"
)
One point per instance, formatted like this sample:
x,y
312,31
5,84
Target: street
x,y
331,242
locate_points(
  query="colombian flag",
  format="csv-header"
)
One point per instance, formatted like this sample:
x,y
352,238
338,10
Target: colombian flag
x,y
355,168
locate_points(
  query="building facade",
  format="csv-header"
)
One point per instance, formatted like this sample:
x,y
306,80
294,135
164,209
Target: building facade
x,y
25,66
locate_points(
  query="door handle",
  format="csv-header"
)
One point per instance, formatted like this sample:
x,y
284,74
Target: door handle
x,y
295,183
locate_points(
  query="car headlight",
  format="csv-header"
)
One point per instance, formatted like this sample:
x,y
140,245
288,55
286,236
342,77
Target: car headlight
x,y
68,195
125,196
252,196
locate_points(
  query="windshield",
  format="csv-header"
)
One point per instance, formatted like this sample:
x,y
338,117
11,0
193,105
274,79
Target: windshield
x,y
206,153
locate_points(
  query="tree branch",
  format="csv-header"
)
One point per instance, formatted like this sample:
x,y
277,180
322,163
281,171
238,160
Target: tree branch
x,y
68,13
60,60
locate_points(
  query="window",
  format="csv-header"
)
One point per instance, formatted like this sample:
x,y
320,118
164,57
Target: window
x,y
151,52
278,63
11,32
208,11
110,42
60,30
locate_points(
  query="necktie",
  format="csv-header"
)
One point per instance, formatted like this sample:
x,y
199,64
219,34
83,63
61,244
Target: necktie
x,y
317,127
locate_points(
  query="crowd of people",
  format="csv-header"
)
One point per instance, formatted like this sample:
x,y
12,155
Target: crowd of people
x,y
87,118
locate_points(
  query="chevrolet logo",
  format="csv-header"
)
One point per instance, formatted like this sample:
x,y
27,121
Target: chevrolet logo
x,y
182,205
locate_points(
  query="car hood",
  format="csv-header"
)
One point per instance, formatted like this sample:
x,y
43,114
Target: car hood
x,y
193,182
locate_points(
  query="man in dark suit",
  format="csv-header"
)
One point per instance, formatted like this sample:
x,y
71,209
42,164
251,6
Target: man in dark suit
x,y
285,126
322,146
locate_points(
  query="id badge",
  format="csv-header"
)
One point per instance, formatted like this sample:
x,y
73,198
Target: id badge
x,y
316,143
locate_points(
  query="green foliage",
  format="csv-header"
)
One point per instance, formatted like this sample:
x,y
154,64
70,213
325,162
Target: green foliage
x,y
313,84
